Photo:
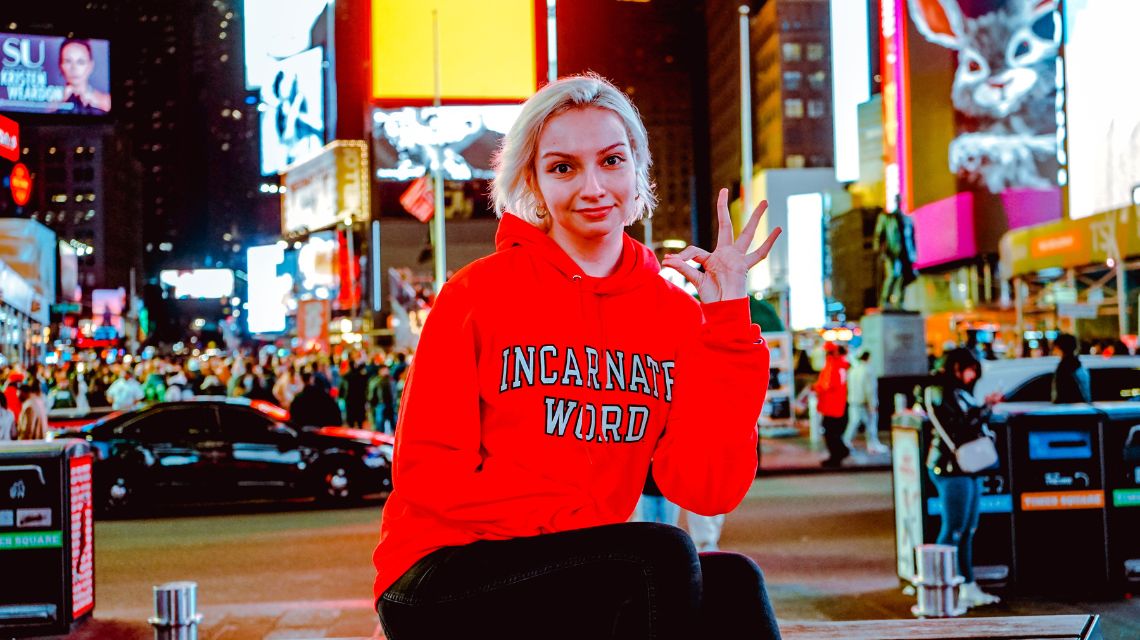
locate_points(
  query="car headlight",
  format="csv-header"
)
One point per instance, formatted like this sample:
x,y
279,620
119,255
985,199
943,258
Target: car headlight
x,y
378,456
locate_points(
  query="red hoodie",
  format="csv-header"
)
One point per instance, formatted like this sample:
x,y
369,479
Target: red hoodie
x,y
539,394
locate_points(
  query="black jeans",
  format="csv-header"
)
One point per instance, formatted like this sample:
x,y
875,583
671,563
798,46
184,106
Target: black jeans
x,y
627,581
833,429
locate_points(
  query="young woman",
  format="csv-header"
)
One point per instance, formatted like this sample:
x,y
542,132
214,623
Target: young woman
x,y
962,419
547,377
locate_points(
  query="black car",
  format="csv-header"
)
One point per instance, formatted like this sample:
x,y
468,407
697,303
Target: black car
x,y
229,449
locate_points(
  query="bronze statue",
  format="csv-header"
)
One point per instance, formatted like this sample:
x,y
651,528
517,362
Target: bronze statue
x,y
894,241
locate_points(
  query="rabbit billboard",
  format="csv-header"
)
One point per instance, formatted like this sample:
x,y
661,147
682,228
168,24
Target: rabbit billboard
x,y
980,120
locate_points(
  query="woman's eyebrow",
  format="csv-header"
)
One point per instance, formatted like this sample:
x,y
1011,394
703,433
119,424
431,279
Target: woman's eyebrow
x,y
561,154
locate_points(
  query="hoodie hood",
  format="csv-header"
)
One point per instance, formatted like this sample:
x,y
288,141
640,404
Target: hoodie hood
x,y
636,265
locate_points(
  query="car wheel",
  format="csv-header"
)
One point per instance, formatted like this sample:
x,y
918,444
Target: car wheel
x,y
339,482
118,494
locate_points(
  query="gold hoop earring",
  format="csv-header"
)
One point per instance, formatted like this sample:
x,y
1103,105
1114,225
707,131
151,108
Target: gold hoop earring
x,y
541,212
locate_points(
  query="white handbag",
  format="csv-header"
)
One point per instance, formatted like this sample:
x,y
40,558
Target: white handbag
x,y
975,455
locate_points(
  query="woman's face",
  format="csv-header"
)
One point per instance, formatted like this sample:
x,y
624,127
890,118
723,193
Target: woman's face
x,y
76,64
585,172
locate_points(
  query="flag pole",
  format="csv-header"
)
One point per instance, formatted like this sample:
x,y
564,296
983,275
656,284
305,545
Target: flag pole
x,y
440,237
745,117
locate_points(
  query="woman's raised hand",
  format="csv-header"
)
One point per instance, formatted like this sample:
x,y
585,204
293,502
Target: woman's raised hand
x,y
726,268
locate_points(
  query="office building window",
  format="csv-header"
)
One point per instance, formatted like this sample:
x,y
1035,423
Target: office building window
x,y
793,52
793,108
817,80
815,108
792,80
815,52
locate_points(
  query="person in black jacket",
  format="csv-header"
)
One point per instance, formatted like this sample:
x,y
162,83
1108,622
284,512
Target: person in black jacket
x,y
1071,380
313,406
952,406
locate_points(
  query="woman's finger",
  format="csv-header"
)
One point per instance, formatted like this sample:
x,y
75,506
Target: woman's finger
x,y
744,240
693,253
685,269
724,235
759,254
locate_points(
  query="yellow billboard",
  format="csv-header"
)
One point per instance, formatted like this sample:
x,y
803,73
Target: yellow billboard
x,y
488,50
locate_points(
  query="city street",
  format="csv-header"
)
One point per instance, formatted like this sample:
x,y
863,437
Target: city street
x,y
825,541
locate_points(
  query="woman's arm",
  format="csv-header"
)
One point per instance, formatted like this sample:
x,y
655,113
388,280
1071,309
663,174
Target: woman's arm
x,y
706,458
439,466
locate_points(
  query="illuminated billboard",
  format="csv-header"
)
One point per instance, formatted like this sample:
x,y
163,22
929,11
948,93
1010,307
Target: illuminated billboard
x,y
287,51
1103,97
403,140
29,248
107,306
805,241
327,188
971,96
9,139
851,82
201,284
52,74
479,62
269,289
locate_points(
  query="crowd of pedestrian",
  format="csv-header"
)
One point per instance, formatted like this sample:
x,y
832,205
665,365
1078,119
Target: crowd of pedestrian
x,y
358,388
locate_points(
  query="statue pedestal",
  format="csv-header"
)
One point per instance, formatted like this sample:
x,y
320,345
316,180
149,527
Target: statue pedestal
x,y
897,342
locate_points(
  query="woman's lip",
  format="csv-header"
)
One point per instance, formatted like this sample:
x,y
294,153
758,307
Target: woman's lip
x,y
595,211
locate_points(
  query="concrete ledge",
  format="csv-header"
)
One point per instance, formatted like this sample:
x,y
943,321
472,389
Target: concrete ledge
x,y
1078,627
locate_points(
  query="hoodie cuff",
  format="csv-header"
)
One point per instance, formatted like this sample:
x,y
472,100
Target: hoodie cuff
x,y
731,320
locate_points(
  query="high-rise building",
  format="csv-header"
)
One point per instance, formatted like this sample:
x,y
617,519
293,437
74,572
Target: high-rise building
x,y
652,51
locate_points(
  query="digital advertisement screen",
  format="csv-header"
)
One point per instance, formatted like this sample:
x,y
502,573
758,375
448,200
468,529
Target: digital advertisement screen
x,y
403,140
269,289
52,74
107,306
202,284
489,51
292,111
851,82
979,87
286,51
1103,104
805,242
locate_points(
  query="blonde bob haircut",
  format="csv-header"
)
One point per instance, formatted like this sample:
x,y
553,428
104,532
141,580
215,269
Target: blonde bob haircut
x,y
515,187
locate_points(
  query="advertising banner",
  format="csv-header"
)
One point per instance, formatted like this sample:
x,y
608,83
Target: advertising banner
x,y
52,74
478,63
9,139
313,318
107,307
1102,98
202,284
269,289
1114,235
404,141
326,189
29,248
975,89
82,537
292,111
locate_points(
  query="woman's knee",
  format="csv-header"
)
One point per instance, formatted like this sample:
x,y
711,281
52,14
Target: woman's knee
x,y
731,571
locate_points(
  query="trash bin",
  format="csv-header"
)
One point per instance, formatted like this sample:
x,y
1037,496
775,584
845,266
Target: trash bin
x,y
1060,532
46,537
1122,493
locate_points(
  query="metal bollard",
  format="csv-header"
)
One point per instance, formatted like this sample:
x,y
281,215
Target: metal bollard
x,y
937,581
176,614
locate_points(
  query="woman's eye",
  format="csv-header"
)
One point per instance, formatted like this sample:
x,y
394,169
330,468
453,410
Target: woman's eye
x,y
611,161
561,167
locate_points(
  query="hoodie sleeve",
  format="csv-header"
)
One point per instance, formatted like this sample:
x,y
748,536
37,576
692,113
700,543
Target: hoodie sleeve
x,y
439,467
706,458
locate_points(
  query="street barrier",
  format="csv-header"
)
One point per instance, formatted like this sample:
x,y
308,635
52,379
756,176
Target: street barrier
x,y
176,614
937,581
47,546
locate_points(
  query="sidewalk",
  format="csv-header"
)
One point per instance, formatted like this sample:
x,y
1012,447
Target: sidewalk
x,y
794,452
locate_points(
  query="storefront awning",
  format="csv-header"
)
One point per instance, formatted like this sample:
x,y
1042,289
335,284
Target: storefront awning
x,y
1071,243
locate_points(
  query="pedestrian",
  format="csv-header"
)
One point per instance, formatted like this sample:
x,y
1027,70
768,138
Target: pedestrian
x,y
862,404
177,387
831,394
125,392
652,506
958,419
546,378
12,391
1071,379
382,399
7,421
287,386
354,392
32,424
313,406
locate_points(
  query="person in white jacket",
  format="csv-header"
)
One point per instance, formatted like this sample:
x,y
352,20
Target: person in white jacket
x,y
863,403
